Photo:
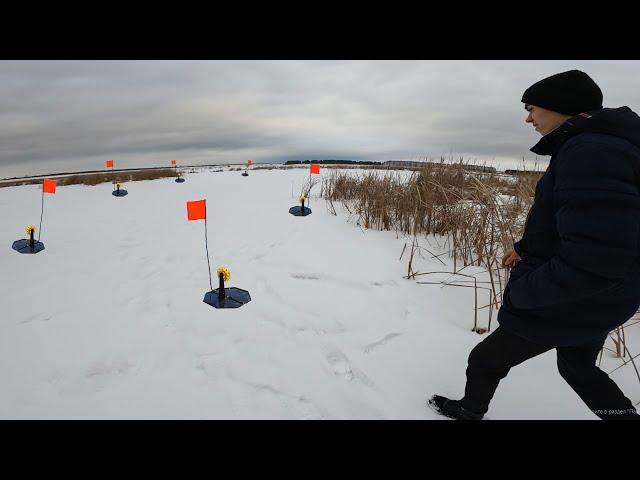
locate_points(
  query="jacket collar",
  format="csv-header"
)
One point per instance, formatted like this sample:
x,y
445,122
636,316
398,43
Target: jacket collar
x,y
551,143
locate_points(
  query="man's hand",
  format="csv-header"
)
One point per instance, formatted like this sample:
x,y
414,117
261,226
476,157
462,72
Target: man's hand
x,y
510,259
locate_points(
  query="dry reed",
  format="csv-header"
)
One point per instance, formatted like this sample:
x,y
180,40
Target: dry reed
x,y
97,178
480,214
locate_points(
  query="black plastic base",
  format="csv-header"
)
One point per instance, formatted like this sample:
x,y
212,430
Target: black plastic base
x,y
298,212
22,246
180,180
235,297
120,193
245,174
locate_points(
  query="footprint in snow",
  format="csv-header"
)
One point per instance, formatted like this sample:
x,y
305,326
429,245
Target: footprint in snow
x,y
379,343
270,291
305,409
102,368
298,407
340,364
384,284
304,276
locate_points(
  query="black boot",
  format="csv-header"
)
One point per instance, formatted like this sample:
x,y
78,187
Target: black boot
x,y
452,409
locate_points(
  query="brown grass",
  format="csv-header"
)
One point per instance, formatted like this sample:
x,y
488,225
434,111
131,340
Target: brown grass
x,y
467,209
97,178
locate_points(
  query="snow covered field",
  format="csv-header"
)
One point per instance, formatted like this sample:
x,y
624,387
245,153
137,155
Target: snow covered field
x,y
108,321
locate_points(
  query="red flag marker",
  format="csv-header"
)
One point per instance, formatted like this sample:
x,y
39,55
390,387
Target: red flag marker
x,y
249,162
173,162
315,168
49,186
109,163
197,210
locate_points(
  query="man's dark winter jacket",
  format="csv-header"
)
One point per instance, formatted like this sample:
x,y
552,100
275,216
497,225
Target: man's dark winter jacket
x,y
580,274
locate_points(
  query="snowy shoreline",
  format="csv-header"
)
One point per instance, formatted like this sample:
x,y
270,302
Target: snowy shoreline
x,y
108,322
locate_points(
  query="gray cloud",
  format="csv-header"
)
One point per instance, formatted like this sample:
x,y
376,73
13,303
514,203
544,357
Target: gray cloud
x,y
68,115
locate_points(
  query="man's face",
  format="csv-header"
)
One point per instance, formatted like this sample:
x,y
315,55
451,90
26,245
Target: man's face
x,y
545,121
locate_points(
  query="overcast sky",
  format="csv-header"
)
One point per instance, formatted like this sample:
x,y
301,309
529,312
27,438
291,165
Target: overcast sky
x,y
72,115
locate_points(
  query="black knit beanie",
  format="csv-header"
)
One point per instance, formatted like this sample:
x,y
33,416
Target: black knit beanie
x,y
570,93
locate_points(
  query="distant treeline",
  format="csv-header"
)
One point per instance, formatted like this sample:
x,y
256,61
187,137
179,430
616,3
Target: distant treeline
x,y
523,172
392,163
331,162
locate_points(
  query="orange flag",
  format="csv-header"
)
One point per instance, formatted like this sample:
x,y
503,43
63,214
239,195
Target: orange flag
x,y
49,186
197,210
315,168
173,162
109,163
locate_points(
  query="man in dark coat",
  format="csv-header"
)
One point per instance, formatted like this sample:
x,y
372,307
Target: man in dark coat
x,y
576,271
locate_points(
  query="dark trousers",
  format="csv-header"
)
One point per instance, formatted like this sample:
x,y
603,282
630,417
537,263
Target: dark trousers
x,y
491,360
